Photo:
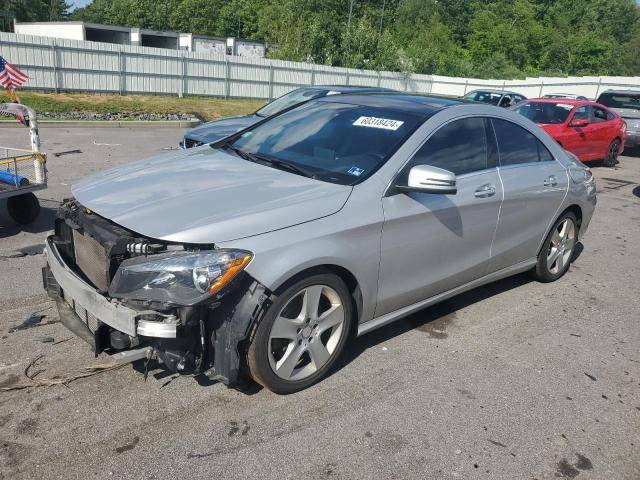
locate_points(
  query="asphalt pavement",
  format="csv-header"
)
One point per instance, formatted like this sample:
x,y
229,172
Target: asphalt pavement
x,y
514,380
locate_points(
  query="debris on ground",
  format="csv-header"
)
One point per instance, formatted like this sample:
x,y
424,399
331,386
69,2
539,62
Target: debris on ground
x,y
67,152
23,252
44,339
58,379
107,144
33,320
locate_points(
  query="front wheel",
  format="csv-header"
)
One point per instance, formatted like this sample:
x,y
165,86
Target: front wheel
x,y
301,335
611,160
557,249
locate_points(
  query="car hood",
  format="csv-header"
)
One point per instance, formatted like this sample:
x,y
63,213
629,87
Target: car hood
x,y
204,195
219,129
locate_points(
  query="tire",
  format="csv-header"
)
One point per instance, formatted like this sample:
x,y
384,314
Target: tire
x,y
557,250
611,160
295,344
23,209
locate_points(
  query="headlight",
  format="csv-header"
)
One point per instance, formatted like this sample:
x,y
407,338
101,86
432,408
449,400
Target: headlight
x,y
183,278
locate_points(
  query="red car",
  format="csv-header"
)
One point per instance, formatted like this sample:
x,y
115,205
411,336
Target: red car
x,y
587,129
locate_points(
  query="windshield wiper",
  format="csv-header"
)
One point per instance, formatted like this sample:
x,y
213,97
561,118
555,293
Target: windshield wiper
x,y
240,153
274,162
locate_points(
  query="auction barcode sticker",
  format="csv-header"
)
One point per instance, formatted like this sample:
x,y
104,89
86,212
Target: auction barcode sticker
x,y
375,122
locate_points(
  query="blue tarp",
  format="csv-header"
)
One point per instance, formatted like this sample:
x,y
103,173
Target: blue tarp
x,y
11,179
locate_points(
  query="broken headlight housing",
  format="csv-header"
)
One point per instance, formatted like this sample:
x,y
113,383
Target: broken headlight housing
x,y
181,278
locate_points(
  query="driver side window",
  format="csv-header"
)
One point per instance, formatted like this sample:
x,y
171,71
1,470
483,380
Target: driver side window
x,y
581,113
459,146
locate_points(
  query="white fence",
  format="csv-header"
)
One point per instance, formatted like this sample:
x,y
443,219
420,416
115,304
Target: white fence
x,y
70,65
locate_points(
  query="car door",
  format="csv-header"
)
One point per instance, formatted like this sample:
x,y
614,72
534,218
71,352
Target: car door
x,y
603,131
575,139
432,243
534,186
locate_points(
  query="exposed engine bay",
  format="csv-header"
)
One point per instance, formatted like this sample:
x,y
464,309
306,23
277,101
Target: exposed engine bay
x,y
189,334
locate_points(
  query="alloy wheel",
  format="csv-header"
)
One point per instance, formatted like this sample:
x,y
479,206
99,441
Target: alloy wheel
x,y
612,154
306,332
561,246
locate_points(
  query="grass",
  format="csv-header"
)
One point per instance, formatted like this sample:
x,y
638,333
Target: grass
x,y
205,108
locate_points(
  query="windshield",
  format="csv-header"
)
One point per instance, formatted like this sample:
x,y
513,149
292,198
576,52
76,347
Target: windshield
x,y
615,100
299,95
545,112
484,97
330,141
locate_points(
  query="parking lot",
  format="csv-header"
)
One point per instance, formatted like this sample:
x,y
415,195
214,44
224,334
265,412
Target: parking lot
x,y
514,380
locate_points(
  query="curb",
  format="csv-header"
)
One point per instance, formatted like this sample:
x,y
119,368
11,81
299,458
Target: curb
x,y
107,123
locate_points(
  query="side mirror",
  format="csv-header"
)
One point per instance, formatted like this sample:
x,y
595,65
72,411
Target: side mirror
x,y
428,179
578,122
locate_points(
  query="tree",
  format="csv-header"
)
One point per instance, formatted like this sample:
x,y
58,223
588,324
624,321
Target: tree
x,y
481,38
36,10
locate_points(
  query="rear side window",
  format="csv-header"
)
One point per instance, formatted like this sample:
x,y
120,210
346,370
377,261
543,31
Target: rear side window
x,y
599,115
459,146
517,145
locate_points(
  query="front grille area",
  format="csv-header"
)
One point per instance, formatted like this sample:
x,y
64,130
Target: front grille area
x,y
87,318
91,258
190,143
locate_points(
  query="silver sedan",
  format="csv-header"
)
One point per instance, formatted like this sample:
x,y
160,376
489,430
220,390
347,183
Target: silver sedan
x,y
264,254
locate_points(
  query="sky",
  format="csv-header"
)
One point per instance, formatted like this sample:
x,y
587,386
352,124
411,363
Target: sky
x,y
81,3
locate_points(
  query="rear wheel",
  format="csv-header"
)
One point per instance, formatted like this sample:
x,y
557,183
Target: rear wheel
x,y
301,335
23,209
557,250
611,160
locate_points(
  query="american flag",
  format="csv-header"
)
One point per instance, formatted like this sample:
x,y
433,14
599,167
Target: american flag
x,y
10,76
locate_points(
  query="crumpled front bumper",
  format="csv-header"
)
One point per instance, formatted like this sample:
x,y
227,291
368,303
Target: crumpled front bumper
x,y
83,310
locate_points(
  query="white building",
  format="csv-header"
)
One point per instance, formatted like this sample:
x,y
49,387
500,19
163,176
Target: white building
x,y
94,32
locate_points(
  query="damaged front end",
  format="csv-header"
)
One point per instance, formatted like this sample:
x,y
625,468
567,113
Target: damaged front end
x,y
192,305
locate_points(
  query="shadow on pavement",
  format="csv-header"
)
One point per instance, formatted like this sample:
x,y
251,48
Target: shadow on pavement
x,y
43,223
433,320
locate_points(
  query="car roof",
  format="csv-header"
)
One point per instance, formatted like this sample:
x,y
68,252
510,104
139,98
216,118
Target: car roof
x,y
493,90
621,92
348,88
569,101
422,105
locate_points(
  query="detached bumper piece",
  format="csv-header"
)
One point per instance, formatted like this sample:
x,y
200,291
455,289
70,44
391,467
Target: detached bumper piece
x,y
89,314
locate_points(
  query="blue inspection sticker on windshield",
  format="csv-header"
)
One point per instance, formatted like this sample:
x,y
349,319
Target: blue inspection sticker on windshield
x,y
355,171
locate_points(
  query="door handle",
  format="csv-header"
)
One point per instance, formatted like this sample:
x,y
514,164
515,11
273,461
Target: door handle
x,y
551,181
486,190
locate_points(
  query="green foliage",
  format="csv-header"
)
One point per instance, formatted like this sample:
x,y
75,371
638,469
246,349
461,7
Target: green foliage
x,y
480,38
35,10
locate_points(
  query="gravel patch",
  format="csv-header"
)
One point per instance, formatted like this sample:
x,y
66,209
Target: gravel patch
x,y
140,116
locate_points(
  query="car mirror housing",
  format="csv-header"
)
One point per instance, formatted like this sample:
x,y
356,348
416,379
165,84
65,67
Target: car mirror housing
x,y
578,122
428,179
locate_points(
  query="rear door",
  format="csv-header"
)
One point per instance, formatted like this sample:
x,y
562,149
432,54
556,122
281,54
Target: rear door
x,y
604,130
432,243
534,185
